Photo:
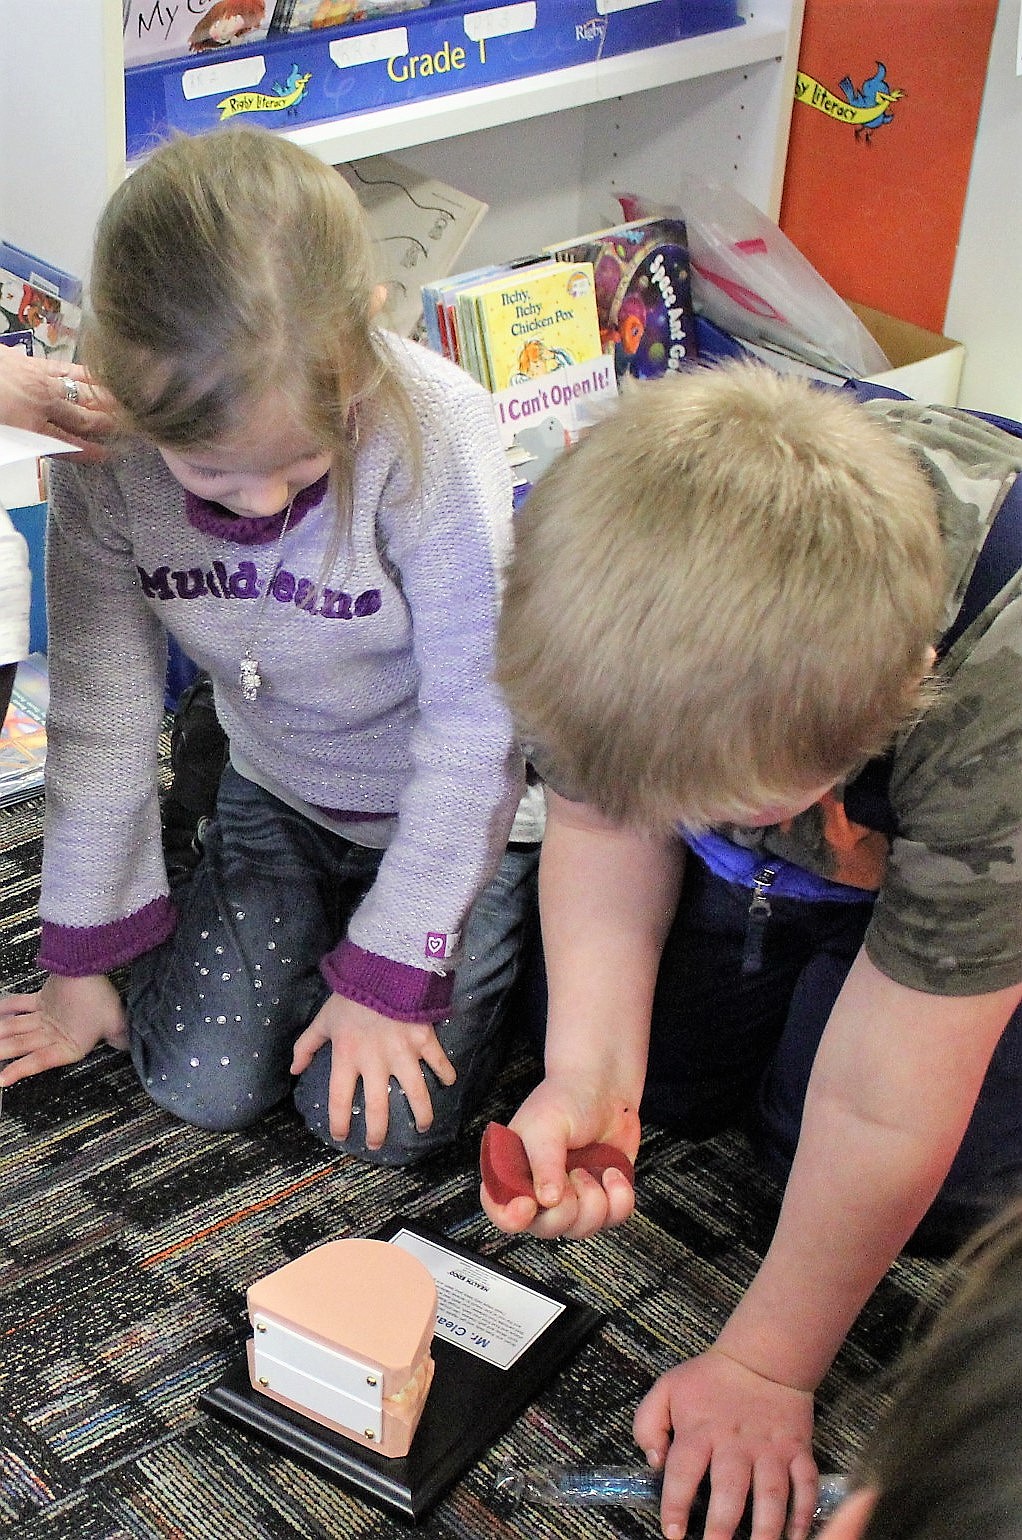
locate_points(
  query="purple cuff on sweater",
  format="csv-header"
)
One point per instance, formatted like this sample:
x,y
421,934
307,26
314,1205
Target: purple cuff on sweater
x,y
80,950
392,988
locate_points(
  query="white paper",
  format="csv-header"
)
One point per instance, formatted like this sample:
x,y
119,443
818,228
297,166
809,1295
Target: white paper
x,y
420,226
490,1316
18,444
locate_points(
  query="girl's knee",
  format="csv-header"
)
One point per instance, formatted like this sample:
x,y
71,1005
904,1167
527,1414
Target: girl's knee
x,y
218,1115
216,1090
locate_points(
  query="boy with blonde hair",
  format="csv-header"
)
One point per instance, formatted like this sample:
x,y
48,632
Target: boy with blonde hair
x,y
722,610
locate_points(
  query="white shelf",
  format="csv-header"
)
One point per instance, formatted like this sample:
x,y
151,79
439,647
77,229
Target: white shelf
x,y
396,128
719,105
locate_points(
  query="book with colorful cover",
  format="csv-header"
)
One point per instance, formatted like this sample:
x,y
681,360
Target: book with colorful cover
x,y
536,320
643,293
466,324
538,418
23,739
440,304
529,332
37,297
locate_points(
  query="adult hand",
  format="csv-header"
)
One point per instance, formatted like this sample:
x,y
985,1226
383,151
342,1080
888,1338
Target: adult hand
x,y
554,1119
34,396
751,1434
373,1048
60,1024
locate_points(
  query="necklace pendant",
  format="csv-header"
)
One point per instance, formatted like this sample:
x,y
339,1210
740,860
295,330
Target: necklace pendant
x,y
248,677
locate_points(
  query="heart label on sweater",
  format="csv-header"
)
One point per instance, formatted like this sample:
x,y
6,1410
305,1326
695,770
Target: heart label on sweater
x,y
439,944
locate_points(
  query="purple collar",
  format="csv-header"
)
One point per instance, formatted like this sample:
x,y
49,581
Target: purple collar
x,y
212,519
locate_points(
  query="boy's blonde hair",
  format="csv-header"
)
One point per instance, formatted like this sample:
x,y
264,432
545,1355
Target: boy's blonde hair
x,y
721,598
228,267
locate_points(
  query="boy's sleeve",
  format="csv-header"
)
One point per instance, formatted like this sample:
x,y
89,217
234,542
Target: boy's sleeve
x,y
104,888
948,920
450,547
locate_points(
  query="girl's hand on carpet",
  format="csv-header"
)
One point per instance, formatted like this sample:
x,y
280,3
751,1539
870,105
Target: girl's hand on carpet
x,y
62,1023
554,1119
712,1413
373,1048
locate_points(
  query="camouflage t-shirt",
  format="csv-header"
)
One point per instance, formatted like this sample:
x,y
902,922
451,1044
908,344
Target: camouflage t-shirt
x,y
948,915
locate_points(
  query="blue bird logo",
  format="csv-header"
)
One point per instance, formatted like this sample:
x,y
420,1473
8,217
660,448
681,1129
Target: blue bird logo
x,y
874,94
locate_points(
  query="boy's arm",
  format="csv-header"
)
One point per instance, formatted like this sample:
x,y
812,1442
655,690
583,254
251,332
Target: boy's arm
x,y
893,1086
607,899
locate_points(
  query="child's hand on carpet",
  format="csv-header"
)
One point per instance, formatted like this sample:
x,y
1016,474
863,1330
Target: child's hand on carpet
x,y
372,1048
552,1121
62,1023
752,1435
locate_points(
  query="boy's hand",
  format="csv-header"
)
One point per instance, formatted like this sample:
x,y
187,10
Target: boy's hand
x,y
712,1413
373,1048
551,1121
507,1173
62,1023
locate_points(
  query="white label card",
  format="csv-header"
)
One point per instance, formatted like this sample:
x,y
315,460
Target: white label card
x,y
491,1316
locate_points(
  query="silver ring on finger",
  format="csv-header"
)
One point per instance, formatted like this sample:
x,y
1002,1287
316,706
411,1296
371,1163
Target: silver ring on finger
x,y
71,391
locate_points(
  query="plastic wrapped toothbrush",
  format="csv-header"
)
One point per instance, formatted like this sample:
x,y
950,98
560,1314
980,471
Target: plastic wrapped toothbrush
x,y
622,1486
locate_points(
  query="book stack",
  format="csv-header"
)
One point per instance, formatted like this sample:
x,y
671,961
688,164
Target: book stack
x,y
643,293
529,332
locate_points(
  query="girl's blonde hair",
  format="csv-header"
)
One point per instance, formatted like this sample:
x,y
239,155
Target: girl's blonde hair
x,y
229,267
721,599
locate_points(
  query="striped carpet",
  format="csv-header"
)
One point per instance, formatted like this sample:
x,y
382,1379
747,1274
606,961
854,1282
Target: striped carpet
x,y
127,1241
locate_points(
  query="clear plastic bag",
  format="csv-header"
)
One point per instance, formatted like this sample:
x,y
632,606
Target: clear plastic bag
x,y
749,279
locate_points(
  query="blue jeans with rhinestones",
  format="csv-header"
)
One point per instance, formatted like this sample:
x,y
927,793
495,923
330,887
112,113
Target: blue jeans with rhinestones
x,y
214,1012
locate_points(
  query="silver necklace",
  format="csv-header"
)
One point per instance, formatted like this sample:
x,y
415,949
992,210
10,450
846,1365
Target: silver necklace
x,y
249,676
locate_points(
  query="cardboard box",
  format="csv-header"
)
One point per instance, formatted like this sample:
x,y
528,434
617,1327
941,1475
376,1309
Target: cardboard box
x,y
926,365
313,77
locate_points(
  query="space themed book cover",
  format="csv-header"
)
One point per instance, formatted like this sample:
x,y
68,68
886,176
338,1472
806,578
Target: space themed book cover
x,y
643,293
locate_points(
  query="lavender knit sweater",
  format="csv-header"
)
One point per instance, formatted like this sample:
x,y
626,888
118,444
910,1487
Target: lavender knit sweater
x,y
376,716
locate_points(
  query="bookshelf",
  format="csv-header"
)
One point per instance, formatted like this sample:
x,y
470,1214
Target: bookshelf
x,y
548,153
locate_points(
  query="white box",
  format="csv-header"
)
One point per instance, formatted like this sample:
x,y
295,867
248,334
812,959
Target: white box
x,y
926,365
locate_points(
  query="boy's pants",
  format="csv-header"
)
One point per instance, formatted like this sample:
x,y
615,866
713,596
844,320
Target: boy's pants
x,y
214,1012
730,1047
